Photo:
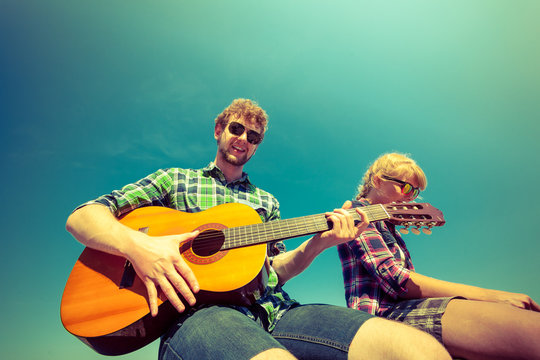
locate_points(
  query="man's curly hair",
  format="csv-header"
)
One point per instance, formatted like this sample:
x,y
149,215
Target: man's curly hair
x,y
246,109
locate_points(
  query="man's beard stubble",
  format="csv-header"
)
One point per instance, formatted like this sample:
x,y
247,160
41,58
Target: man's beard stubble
x,y
232,159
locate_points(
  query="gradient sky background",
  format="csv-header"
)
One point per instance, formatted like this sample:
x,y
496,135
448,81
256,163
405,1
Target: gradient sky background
x,y
96,94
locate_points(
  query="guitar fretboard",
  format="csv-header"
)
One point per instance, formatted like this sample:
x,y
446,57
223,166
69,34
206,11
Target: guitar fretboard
x,y
285,229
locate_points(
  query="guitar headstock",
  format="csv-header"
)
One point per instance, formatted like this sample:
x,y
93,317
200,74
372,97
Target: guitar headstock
x,y
415,215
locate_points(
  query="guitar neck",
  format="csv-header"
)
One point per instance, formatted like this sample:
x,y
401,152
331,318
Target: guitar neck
x,y
286,229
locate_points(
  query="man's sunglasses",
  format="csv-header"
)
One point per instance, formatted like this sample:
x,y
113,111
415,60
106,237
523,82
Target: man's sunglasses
x,y
406,188
238,129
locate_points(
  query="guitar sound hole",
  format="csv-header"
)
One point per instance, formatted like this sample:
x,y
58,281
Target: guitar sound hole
x,y
208,243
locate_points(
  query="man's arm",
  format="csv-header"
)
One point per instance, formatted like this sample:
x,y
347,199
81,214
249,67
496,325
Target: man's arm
x,y
156,260
292,263
420,286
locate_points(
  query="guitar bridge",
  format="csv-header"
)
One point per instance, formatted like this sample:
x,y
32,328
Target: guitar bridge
x,y
128,277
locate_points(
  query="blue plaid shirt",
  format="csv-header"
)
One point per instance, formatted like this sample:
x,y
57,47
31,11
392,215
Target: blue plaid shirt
x,y
191,190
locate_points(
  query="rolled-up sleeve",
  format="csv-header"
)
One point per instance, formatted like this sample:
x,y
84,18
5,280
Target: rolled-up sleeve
x,y
151,190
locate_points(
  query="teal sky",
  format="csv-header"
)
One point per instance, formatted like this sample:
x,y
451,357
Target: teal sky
x,y
96,94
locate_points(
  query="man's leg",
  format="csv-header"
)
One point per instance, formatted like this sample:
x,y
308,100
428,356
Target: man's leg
x,y
274,354
220,333
338,333
486,330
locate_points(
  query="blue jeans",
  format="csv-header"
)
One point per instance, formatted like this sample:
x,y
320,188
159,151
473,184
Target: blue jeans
x,y
223,333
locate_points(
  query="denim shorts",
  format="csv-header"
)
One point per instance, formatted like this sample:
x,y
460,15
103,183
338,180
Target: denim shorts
x,y
222,333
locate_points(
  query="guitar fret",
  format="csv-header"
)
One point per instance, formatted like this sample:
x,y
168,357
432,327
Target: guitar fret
x,y
262,233
286,229
302,227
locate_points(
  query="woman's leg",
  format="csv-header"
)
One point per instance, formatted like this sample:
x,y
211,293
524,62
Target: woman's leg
x,y
338,333
486,330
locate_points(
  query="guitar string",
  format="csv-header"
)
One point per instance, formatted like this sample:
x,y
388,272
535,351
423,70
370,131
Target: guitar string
x,y
246,238
244,235
238,238
296,226
234,237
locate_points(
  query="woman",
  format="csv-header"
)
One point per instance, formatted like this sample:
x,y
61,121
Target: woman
x,y
472,322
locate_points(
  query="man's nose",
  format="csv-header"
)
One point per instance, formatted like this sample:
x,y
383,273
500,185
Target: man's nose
x,y
243,136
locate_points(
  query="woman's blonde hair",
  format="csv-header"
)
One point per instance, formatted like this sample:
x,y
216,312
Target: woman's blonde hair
x,y
393,165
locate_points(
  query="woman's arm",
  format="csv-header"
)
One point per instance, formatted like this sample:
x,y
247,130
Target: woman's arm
x,y
420,286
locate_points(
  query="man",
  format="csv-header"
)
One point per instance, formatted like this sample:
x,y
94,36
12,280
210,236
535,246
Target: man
x,y
274,327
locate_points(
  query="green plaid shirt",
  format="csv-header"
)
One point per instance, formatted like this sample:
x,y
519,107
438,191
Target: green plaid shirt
x,y
191,190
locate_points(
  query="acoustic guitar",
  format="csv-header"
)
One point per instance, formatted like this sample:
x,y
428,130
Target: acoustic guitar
x,y
105,304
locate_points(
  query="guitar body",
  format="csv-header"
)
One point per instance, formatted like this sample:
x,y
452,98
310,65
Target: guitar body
x,y
106,305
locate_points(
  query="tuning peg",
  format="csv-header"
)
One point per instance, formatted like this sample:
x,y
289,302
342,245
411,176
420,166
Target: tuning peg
x,y
427,231
404,230
415,231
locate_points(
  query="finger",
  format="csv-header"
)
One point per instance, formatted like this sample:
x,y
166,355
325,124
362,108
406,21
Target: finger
x,y
363,224
182,238
346,218
187,236
335,222
347,205
349,218
519,304
183,269
523,305
171,294
340,223
363,216
534,305
152,296
187,274
180,284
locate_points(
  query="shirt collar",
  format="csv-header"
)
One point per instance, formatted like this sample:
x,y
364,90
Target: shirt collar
x,y
214,171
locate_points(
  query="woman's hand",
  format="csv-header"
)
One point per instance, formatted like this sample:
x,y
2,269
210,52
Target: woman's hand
x,y
521,301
